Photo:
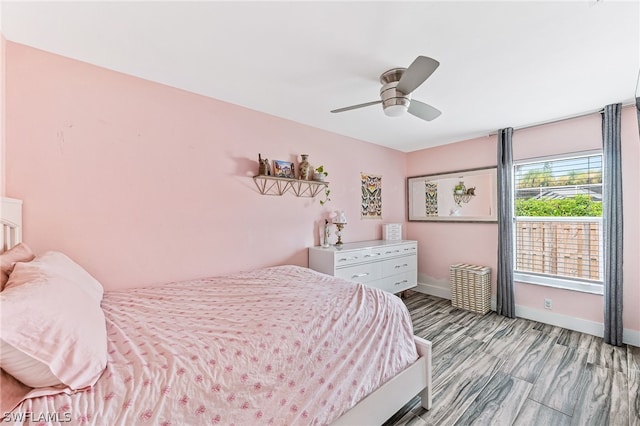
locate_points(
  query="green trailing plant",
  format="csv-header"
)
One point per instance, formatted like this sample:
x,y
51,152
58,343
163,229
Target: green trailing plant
x,y
327,191
320,170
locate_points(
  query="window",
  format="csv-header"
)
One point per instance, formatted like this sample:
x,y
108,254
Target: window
x,y
558,222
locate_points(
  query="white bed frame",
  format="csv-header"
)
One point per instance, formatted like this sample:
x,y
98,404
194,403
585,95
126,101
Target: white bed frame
x,y
384,402
10,223
373,410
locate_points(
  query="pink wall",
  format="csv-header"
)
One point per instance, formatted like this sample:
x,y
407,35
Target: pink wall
x,y
3,44
143,183
442,244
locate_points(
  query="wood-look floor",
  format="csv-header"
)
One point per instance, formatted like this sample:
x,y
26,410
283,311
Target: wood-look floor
x,y
492,370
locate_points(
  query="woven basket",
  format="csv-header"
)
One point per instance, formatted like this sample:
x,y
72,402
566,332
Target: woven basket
x,y
471,287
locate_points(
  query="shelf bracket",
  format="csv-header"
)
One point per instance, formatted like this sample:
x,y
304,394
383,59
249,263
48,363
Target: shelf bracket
x,y
268,186
272,185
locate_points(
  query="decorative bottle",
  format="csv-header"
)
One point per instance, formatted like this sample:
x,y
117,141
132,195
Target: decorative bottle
x,y
305,171
325,235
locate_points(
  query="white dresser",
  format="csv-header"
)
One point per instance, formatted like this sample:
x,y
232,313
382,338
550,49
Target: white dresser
x,y
384,264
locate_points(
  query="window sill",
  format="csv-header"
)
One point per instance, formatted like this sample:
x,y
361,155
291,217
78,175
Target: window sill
x,y
565,284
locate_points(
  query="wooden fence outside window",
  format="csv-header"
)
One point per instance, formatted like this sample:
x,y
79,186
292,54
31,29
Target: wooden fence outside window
x,y
565,247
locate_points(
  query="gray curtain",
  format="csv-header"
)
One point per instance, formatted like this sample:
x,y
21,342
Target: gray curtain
x,y
612,223
505,300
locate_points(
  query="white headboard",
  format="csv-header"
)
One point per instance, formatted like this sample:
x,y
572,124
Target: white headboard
x,y
10,223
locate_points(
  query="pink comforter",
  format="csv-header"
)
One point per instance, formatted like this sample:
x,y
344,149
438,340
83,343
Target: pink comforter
x,y
282,346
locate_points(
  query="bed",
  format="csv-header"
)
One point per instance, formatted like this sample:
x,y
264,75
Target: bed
x,y
282,345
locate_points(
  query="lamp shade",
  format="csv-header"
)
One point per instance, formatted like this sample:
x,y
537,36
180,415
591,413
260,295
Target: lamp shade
x,y
340,217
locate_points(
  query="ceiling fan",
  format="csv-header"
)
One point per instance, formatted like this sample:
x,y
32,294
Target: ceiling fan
x,y
397,85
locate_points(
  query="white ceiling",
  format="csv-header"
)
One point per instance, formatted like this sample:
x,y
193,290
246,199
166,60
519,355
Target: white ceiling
x,y
502,63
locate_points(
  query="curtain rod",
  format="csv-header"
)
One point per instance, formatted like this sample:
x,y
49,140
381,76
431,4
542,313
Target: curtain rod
x,y
570,117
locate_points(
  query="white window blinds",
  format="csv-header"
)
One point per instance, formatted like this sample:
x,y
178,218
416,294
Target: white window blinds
x,y
558,217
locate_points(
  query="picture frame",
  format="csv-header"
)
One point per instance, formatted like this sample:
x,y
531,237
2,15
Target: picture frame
x,y
371,203
284,169
439,197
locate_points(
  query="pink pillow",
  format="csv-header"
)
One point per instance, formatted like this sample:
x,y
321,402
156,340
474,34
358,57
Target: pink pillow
x,y
18,253
33,373
51,315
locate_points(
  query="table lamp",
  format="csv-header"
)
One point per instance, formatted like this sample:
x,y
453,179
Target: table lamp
x,y
340,221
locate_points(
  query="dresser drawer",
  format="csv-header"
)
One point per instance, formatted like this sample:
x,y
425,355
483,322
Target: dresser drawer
x,y
373,254
343,258
410,248
363,273
398,265
399,250
396,283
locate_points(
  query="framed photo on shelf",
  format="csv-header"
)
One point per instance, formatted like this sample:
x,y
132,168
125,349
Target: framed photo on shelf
x,y
285,169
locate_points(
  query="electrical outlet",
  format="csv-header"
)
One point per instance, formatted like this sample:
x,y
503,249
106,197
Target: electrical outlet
x,y
548,304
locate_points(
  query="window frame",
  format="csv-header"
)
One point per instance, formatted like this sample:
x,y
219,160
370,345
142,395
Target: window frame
x,y
557,281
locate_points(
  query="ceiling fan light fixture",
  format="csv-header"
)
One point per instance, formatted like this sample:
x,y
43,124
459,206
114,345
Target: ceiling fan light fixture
x,y
395,107
394,102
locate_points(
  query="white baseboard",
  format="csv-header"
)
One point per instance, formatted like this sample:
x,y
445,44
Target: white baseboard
x,y
559,320
433,290
433,286
630,337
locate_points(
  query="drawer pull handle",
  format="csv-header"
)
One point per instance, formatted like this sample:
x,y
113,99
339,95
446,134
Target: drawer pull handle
x,y
372,254
394,251
344,259
364,274
401,282
402,266
409,248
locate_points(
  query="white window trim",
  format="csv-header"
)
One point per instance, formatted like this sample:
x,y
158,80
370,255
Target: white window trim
x,y
566,283
527,161
563,283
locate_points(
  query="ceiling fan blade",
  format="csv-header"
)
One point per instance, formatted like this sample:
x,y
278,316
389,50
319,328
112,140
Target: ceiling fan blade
x,y
349,108
416,74
423,111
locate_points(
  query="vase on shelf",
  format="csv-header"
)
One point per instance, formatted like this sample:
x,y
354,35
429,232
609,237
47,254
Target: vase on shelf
x,y
305,171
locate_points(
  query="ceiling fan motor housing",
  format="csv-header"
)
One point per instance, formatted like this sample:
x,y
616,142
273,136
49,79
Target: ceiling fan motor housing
x,y
394,102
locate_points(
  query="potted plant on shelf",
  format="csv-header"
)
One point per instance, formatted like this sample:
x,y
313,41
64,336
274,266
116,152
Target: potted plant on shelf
x,y
320,174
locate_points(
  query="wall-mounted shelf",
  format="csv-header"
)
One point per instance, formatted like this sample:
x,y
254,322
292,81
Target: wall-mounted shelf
x,y
271,185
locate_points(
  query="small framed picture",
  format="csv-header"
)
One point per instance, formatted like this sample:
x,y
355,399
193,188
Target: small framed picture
x,y
284,169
